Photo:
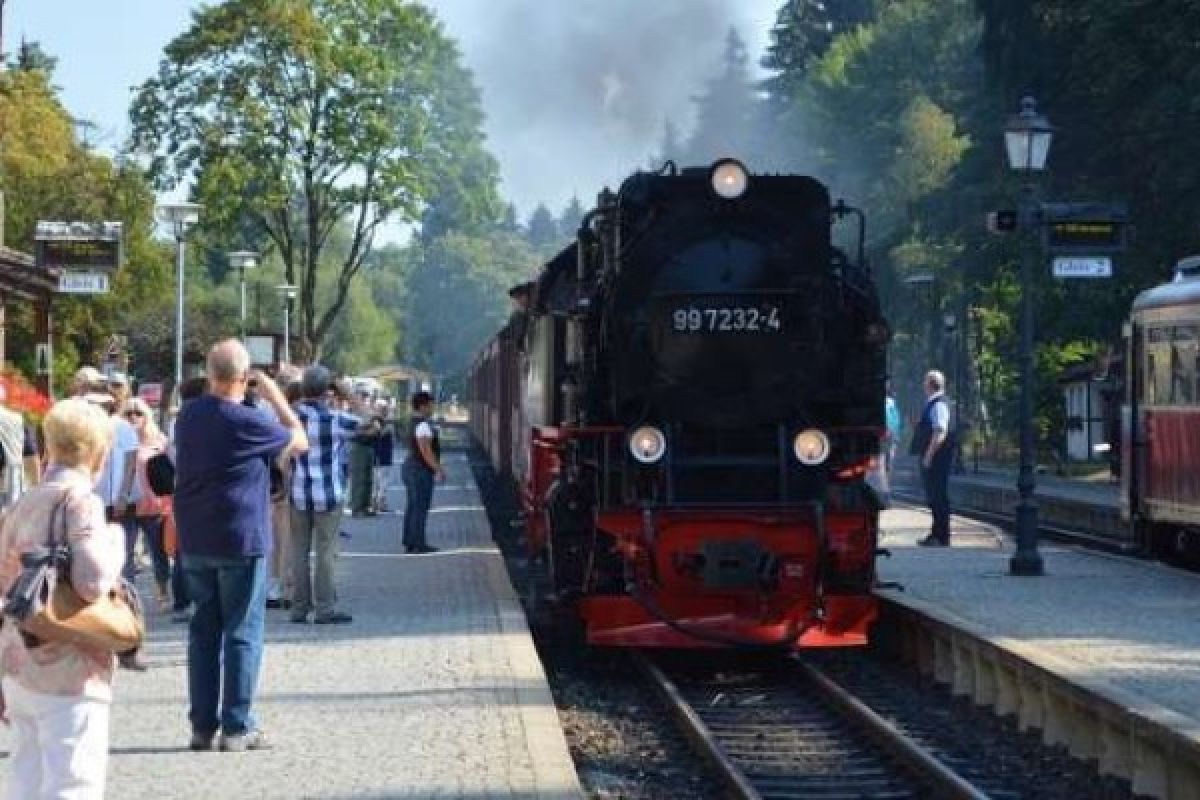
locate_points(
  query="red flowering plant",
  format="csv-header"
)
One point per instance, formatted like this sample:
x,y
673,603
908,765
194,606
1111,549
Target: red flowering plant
x,y
22,396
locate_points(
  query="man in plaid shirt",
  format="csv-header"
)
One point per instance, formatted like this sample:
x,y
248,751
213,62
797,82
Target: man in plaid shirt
x,y
318,492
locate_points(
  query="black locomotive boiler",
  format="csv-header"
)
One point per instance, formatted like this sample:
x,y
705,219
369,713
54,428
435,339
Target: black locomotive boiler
x,y
690,396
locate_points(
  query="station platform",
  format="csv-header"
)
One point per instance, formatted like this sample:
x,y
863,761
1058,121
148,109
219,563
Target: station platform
x,y
435,689
1085,510
1123,632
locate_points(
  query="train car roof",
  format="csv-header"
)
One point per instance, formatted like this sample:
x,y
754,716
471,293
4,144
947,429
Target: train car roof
x,y
1183,291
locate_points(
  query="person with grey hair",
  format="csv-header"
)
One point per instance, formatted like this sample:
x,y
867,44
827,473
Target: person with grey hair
x,y
222,510
318,491
932,444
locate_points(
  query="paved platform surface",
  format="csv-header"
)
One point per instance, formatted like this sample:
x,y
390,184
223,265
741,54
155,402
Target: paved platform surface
x,y
1133,624
1100,493
434,691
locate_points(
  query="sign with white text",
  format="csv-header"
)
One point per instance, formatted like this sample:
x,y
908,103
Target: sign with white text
x,y
83,283
1082,267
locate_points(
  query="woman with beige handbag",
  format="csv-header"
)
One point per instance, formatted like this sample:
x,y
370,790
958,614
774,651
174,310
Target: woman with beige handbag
x,y
57,695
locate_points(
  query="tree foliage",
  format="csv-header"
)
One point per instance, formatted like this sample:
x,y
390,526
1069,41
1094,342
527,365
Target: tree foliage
x,y
48,174
304,116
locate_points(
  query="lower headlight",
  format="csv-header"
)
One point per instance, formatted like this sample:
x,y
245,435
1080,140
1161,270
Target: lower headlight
x,y
647,444
811,447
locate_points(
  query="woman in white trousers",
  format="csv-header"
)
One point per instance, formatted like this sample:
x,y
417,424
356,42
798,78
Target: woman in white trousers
x,y
56,696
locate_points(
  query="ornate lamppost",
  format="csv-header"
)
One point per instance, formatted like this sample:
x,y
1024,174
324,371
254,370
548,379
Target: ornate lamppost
x,y
1027,138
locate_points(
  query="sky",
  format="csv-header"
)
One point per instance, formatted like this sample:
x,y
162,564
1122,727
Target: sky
x,y
576,92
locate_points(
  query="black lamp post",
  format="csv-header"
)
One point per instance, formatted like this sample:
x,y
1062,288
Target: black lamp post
x,y
1027,139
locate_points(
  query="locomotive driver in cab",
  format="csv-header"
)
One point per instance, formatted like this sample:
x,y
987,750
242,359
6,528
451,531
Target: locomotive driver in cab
x,y
932,445
422,466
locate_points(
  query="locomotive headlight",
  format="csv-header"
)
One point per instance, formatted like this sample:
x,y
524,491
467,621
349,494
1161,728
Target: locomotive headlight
x,y
729,178
811,447
647,444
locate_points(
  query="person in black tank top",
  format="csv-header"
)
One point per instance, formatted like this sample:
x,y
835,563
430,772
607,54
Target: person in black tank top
x,y
422,466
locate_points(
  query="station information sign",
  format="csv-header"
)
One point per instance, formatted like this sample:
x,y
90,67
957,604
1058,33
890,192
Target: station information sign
x,y
78,246
1085,228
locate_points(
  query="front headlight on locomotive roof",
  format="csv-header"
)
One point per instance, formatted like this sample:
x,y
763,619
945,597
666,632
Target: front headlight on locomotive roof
x,y
647,444
729,178
811,447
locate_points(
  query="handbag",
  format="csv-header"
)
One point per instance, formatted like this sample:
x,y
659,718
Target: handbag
x,y
160,474
46,607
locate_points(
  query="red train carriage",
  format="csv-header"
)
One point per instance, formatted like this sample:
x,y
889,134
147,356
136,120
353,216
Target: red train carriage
x,y
689,397
1161,417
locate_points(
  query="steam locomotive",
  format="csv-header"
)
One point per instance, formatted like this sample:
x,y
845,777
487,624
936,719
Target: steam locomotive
x,y
690,396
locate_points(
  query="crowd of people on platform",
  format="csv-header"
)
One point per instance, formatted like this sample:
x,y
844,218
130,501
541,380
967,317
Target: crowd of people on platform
x,y
262,468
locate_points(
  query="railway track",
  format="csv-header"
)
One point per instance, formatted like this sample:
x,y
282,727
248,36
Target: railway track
x,y
789,731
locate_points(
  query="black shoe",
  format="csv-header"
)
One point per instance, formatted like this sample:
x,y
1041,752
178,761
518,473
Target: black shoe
x,y
423,549
333,618
202,741
933,541
132,661
275,603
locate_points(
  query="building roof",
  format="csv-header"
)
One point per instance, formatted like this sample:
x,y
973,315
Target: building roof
x,y
20,275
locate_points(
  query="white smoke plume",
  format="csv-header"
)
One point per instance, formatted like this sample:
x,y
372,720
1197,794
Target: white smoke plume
x,y
577,91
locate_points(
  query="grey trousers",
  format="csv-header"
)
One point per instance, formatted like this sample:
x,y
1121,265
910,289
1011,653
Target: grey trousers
x,y
313,530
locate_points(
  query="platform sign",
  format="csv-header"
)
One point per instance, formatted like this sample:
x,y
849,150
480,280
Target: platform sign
x,y
79,246
1085,228
1083,267
83,282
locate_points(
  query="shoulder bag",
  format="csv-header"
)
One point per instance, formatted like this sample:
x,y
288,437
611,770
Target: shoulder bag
x,y
46,607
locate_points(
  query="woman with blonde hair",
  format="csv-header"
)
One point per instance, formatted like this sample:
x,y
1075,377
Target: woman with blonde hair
x,y
56,695
150,510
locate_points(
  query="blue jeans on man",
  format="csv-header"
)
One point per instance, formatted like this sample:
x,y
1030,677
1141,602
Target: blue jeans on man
x,y
418,485
226,633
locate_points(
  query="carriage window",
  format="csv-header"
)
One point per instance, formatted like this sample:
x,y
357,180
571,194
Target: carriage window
x,y
1183,363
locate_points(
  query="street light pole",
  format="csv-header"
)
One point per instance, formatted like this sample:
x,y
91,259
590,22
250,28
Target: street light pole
x,y
289,293
180,252
1027,140
243,260
180,216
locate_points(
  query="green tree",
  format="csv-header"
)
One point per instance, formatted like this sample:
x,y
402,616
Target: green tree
x,y
305,116
457,297
48,174
727,111
571,218
803,32
542,231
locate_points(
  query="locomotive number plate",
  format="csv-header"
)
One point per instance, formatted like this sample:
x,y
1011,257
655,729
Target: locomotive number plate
x,y
764,318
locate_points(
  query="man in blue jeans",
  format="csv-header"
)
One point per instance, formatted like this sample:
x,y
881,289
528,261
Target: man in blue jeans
x,y
222,511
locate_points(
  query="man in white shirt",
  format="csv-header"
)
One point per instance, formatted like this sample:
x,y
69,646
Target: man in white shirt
x,y
115,485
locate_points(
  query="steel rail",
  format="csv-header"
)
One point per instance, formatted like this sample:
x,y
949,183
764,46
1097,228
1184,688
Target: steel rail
x,y
908,757
696,731
945,781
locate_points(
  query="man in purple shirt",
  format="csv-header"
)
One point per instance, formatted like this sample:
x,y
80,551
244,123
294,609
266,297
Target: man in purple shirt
x,y
222,511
